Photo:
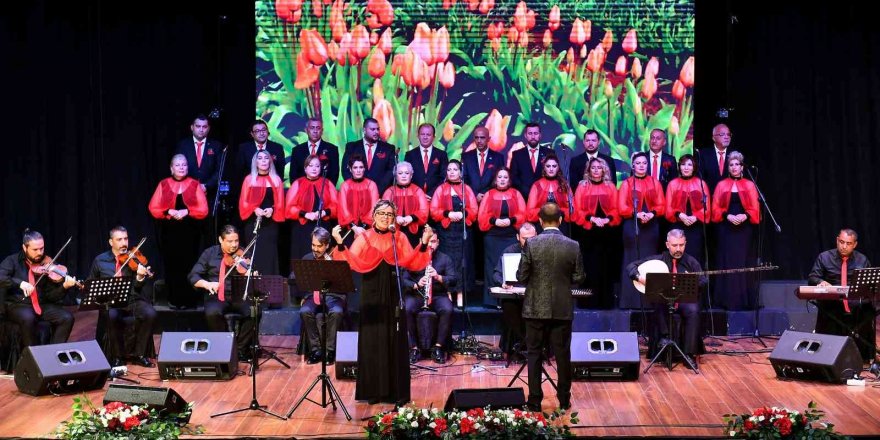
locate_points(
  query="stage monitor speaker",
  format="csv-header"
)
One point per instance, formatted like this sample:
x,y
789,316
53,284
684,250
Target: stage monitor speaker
x,y
605,355
346,355
71,367
467,398
164,400
198,355
814,356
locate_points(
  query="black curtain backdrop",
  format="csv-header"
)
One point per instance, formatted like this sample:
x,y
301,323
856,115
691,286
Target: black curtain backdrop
x,y
97,94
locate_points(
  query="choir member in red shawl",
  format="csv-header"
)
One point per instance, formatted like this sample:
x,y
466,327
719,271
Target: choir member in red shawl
x,y
502,212
262,196
736,211
303,206
688,206
383,361
179,206
650,206
595,213
551,187
449,208
411,202
357,196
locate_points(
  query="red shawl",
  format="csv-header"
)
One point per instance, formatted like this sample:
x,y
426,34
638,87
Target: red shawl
x,y
748,194
372,247
252,195
166,194
410,200
490,208
589,196
356,200
441,204
648,192
680,191
301,198
538,197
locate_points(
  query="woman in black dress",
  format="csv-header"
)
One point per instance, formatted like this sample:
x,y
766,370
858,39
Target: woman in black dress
x,y
262,195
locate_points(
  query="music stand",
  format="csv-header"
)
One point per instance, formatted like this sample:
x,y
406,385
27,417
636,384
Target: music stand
x,y
324,276
671,288
261,288
864,288
105,294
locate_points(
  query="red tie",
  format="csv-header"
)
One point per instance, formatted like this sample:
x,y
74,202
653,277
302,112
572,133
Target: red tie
x,y
261,147
721,163
843,281
533,156
117,268
655,167
314,149
35,302
369,155
482,161
221,289
425,159
199,153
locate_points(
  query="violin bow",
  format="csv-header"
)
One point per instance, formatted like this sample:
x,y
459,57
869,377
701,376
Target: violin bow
x,y
53,259
243,253
130,256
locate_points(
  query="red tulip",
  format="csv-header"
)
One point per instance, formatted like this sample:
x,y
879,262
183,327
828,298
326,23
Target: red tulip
x,y
630,43
313,47
378,94
595,59
497,126
636,69
578,33
448,131
284,9
473,4
653,67
687,73
620,67
530,19
297,14
649,86
385,42
374,38
422,42
447,74
520,20
673,126
360,42
448,4
554,18
383,113
493,31
678,90
512,35
317,8
588,29
486,6
306,73
337,25
609,89
440,44
376,66
342,54
373,21
548,38
383,10
495,44
607,41
583,51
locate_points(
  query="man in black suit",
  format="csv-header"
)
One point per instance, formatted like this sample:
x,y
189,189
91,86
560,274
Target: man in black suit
x,y
591,150
713,161
381,156
481,164
202,155
442,276
525,164
551,263
661,164
327,152
333,307
246,151
429,162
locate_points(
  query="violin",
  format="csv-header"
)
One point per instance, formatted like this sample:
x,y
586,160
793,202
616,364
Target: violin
x,y
235,260
134,259
56,272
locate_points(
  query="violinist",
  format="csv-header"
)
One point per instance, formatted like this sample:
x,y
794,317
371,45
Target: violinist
x,y
210,275
35,289
116,262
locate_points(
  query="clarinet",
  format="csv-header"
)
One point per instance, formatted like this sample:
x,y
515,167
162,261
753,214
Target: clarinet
x,y
426,295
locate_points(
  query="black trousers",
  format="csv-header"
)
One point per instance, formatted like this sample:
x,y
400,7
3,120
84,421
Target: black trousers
x,y
333,309
859,323
144,318
441,305
513,326
214,310
690,341
23,314
558,332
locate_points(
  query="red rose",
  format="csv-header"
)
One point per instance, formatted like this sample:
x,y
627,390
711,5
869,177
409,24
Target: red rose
x,y
131,422
323,158
748,425
381,155
467,426
387,418
666,165
440,426
113,406
371,424
784,425
436,161
210,151
113,424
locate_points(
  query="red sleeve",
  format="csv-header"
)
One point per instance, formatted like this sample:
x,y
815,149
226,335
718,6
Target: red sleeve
x,y
472,206
423,211
245,209
624,199
199,208
330,204
344,214
291,210
672,191
659,202
157,206
612,211
278,202
580,211
437,207
520,210
751,203
362,256
720,200
374,197
533,207
484,213
413,259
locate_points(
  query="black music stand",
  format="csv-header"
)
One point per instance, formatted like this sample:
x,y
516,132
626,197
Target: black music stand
x,y
266,288
105,294
864,288
324,276
672,288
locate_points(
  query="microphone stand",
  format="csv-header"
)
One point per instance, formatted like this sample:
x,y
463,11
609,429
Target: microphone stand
x,y
704,198
635,201
469,339
760,251
217,193
321,197
570,198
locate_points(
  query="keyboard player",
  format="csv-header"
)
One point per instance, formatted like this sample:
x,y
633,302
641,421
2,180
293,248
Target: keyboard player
x,y
835,267
513,330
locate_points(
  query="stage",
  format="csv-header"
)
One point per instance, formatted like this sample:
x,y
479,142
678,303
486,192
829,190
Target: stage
x,y
662,403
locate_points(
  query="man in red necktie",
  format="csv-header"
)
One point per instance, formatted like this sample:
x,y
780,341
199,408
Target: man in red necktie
x,y
202,154
713,161
429,162
835,267
259,133
334,306
380,156
525,163
314,145
661,164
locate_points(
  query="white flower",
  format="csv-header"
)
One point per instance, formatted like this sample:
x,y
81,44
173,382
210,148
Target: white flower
x,y
432,425
103,422
414,424
409,416
732,433
495,420
540,424
425,412
761,418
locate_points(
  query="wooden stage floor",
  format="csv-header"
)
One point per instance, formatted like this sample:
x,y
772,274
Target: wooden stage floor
x,y
675,403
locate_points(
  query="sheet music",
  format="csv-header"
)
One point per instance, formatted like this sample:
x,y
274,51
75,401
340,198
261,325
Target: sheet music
x,y
509,266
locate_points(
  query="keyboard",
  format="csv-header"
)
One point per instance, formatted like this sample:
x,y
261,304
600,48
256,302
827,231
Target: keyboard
x,y
822,292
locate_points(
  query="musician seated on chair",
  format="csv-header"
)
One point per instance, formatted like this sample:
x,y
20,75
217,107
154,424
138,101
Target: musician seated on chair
x,y
333,306
513,327
108,264
676,261
210,275
835,267
29,301
440,275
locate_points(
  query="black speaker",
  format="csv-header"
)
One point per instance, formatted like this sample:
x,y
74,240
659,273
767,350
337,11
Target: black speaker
x,y
604,355
467,398
346,355
814,356
198,355
61,368
163,400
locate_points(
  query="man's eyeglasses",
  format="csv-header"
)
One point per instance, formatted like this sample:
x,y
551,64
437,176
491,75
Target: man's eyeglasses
x,y
261,130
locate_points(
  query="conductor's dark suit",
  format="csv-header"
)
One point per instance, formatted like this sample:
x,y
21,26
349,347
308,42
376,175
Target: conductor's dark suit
x,y
551,263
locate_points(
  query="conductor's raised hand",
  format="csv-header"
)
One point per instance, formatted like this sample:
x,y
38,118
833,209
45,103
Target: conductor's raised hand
x,y
427,234
337,234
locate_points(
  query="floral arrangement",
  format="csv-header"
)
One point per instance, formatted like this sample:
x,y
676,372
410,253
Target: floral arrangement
x,y
485,423
117,420
781,423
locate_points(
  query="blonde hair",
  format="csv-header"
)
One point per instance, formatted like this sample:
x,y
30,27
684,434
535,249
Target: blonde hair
x,y
272,173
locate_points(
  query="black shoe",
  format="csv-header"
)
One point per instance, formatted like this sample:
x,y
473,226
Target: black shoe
x,y
564,405
414,355
314,357
331,357
439,355
117,362
143,361
533,407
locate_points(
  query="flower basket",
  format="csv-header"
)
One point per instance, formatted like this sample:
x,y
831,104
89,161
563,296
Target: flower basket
x,y
781,423
117,420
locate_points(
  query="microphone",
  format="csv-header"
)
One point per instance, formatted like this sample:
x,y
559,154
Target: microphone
x,y
257,224
392,227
